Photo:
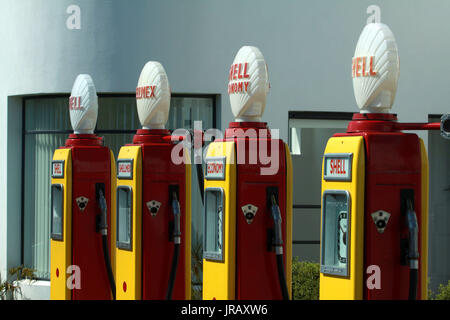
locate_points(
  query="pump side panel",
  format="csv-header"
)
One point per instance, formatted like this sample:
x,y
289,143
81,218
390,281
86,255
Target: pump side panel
x,y
424,225
219,277
128,262
159,174
394,163
91,165
333,287
112,216
289,218
61,251
187,228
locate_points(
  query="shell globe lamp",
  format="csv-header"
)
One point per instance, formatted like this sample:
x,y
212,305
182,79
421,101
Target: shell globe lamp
x,y
153,96
83,105
248,85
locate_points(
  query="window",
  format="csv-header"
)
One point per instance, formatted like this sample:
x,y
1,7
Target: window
x,y
124,217
57,212
47,126
214,214
335,232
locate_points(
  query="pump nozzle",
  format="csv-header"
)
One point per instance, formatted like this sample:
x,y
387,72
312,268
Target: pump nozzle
x,y
176,239
276,216
103,226
413,249
176,214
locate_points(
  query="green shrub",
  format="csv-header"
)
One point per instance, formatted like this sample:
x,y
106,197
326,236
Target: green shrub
x,y
443,292
305,280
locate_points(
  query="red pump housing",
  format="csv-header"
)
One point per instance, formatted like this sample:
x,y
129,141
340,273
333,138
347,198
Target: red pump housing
x,y
159,174
91,167
394,171
256,266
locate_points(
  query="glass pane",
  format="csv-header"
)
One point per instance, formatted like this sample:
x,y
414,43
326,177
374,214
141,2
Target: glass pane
x,y
117,113
39,149
213,224
47,114
124,218
335,233
57,212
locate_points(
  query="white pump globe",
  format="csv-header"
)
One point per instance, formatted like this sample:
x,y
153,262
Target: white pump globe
x,y
153,96
248,84
375,69
83,105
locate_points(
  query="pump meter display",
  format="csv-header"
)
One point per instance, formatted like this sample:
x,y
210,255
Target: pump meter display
x,y
124,217
57,198
213,224
335,232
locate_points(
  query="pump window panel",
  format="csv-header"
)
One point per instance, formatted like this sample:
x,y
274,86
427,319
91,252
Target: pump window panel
x,y
335,232
213,224
124,217
57,207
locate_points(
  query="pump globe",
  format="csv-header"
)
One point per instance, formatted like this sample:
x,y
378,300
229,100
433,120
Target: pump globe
x,y
83,105
248,84
153,96
375,69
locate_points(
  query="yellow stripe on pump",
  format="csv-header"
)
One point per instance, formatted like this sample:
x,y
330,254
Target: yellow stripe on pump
x,y
345,280
128,236
219,275
61,237
187,230
424,224
289,202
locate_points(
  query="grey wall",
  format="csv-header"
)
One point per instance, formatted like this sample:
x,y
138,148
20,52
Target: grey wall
x,y
308,46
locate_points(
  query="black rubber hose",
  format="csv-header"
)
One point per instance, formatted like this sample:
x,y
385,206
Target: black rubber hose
x,y
176,248
200,180
278,244
112,283
282,277
413,279
173,271
104,232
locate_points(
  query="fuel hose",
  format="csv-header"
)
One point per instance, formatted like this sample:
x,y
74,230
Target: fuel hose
x,y
278,244
176,249
104,233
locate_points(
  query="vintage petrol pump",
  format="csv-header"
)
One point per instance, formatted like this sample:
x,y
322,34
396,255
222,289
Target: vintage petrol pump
x,y
83,175
375,188
153,257
247,247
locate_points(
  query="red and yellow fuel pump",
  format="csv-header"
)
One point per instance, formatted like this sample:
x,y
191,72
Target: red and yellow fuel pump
x,y
83,175
375,188
153,258
247,247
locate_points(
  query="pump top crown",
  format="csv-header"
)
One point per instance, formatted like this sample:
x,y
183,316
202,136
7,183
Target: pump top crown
x,y
153,96
375,69
83,105
248,84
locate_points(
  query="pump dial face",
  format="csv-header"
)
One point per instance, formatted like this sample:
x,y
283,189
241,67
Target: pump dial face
x,y
342,237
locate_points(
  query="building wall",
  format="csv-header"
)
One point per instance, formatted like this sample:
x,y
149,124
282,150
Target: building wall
x,y
308,46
